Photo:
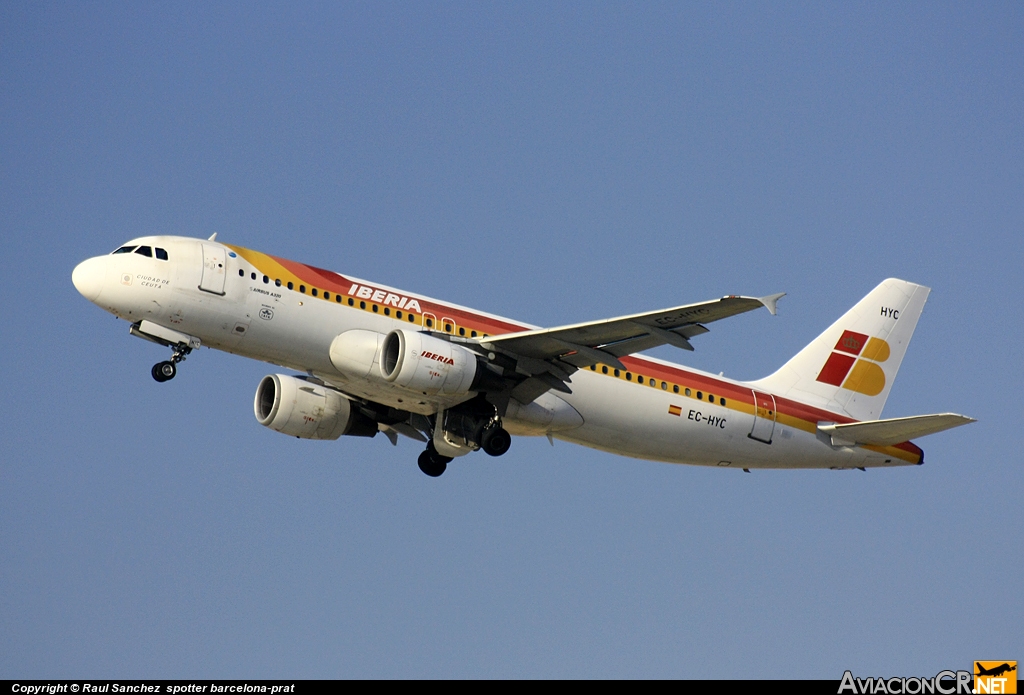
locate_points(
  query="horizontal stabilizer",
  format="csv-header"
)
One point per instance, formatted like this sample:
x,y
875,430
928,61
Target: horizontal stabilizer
x,y
894,431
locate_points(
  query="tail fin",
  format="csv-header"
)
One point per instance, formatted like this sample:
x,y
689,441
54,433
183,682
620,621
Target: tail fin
x,y
850,367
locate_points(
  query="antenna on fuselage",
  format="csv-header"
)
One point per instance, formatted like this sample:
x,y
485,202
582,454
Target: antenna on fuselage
x,y
213,237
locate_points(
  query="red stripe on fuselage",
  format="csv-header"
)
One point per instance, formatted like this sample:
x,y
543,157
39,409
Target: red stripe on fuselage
x,y
335,282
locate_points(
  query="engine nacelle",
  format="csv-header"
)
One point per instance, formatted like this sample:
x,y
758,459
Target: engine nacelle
x,y
354,352
302,409
427,365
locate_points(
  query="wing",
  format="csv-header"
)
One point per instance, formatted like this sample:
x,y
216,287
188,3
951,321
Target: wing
x,y
546,357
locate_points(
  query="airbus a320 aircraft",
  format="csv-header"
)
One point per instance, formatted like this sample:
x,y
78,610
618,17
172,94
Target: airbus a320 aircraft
x,y
375,359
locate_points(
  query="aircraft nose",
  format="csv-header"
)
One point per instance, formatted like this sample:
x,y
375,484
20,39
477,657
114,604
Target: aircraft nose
x,y
88,277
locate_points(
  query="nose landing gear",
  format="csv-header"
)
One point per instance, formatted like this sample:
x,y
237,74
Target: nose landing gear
x,y
165,371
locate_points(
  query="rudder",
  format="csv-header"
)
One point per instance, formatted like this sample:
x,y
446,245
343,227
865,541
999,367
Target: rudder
x,y
850,368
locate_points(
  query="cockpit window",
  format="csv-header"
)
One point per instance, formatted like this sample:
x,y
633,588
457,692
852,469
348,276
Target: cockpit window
x,y
144,251
124,249
161,254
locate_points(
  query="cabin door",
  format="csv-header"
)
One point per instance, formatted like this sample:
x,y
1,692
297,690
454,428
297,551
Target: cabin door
x,y
213,269
764,417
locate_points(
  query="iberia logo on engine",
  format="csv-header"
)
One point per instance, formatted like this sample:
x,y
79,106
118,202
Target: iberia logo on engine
x,y
439,358
853,364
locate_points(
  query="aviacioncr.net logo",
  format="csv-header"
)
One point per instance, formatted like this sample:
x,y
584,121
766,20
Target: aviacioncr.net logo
x,y
943,683
995,677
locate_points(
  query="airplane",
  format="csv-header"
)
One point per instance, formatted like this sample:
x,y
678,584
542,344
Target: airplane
x,y
995,671
374,359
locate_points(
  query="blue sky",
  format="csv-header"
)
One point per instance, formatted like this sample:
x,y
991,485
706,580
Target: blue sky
x,y
551,163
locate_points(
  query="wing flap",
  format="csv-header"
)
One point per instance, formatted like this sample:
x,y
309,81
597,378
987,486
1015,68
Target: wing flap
x,y
893,431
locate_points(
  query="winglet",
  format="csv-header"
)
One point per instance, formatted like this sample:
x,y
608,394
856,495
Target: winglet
x,y
771,300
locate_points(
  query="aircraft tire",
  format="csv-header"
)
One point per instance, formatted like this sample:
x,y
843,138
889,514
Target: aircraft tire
x,y
164,371
431,464
496,441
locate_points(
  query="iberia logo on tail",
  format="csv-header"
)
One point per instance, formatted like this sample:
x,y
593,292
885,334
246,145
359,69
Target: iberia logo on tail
x,y
853,364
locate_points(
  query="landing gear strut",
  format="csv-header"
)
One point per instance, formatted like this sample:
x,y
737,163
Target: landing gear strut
x,y
433,463
165,371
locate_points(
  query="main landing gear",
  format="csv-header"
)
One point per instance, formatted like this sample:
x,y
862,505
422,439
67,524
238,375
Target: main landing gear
x,y
433,463
165,371
493,440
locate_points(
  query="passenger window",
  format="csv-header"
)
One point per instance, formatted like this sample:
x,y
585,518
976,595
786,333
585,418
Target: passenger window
x,y
711,399
252,276
430,323
398,314
675,388
412,318
302,289
266,280
700,396
639,379
124,249
375,308
161,254
721,401
687,392
664,386
362,305
617,372
327,295
472,334
313,291
462,331
629,376
290,285
387,311
337,298
241,273
144,251
604,370
277,282
351,302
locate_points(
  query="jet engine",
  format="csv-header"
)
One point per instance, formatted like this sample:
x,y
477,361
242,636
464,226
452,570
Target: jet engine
x,y
428,365
300,408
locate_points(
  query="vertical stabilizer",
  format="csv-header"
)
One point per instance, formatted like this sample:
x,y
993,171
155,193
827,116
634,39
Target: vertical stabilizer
x,y
850,368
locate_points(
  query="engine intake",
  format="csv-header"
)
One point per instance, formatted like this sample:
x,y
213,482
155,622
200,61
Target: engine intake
x,y
303,409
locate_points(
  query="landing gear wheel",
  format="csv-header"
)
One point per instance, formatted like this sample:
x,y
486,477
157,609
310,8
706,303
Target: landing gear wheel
x,y
164,371
432,464
496,441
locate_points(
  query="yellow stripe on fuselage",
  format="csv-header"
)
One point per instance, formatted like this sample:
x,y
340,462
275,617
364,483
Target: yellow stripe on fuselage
x,y
275,270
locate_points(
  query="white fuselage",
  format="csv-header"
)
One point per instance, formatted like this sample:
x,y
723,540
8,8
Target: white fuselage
x,y
261,320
